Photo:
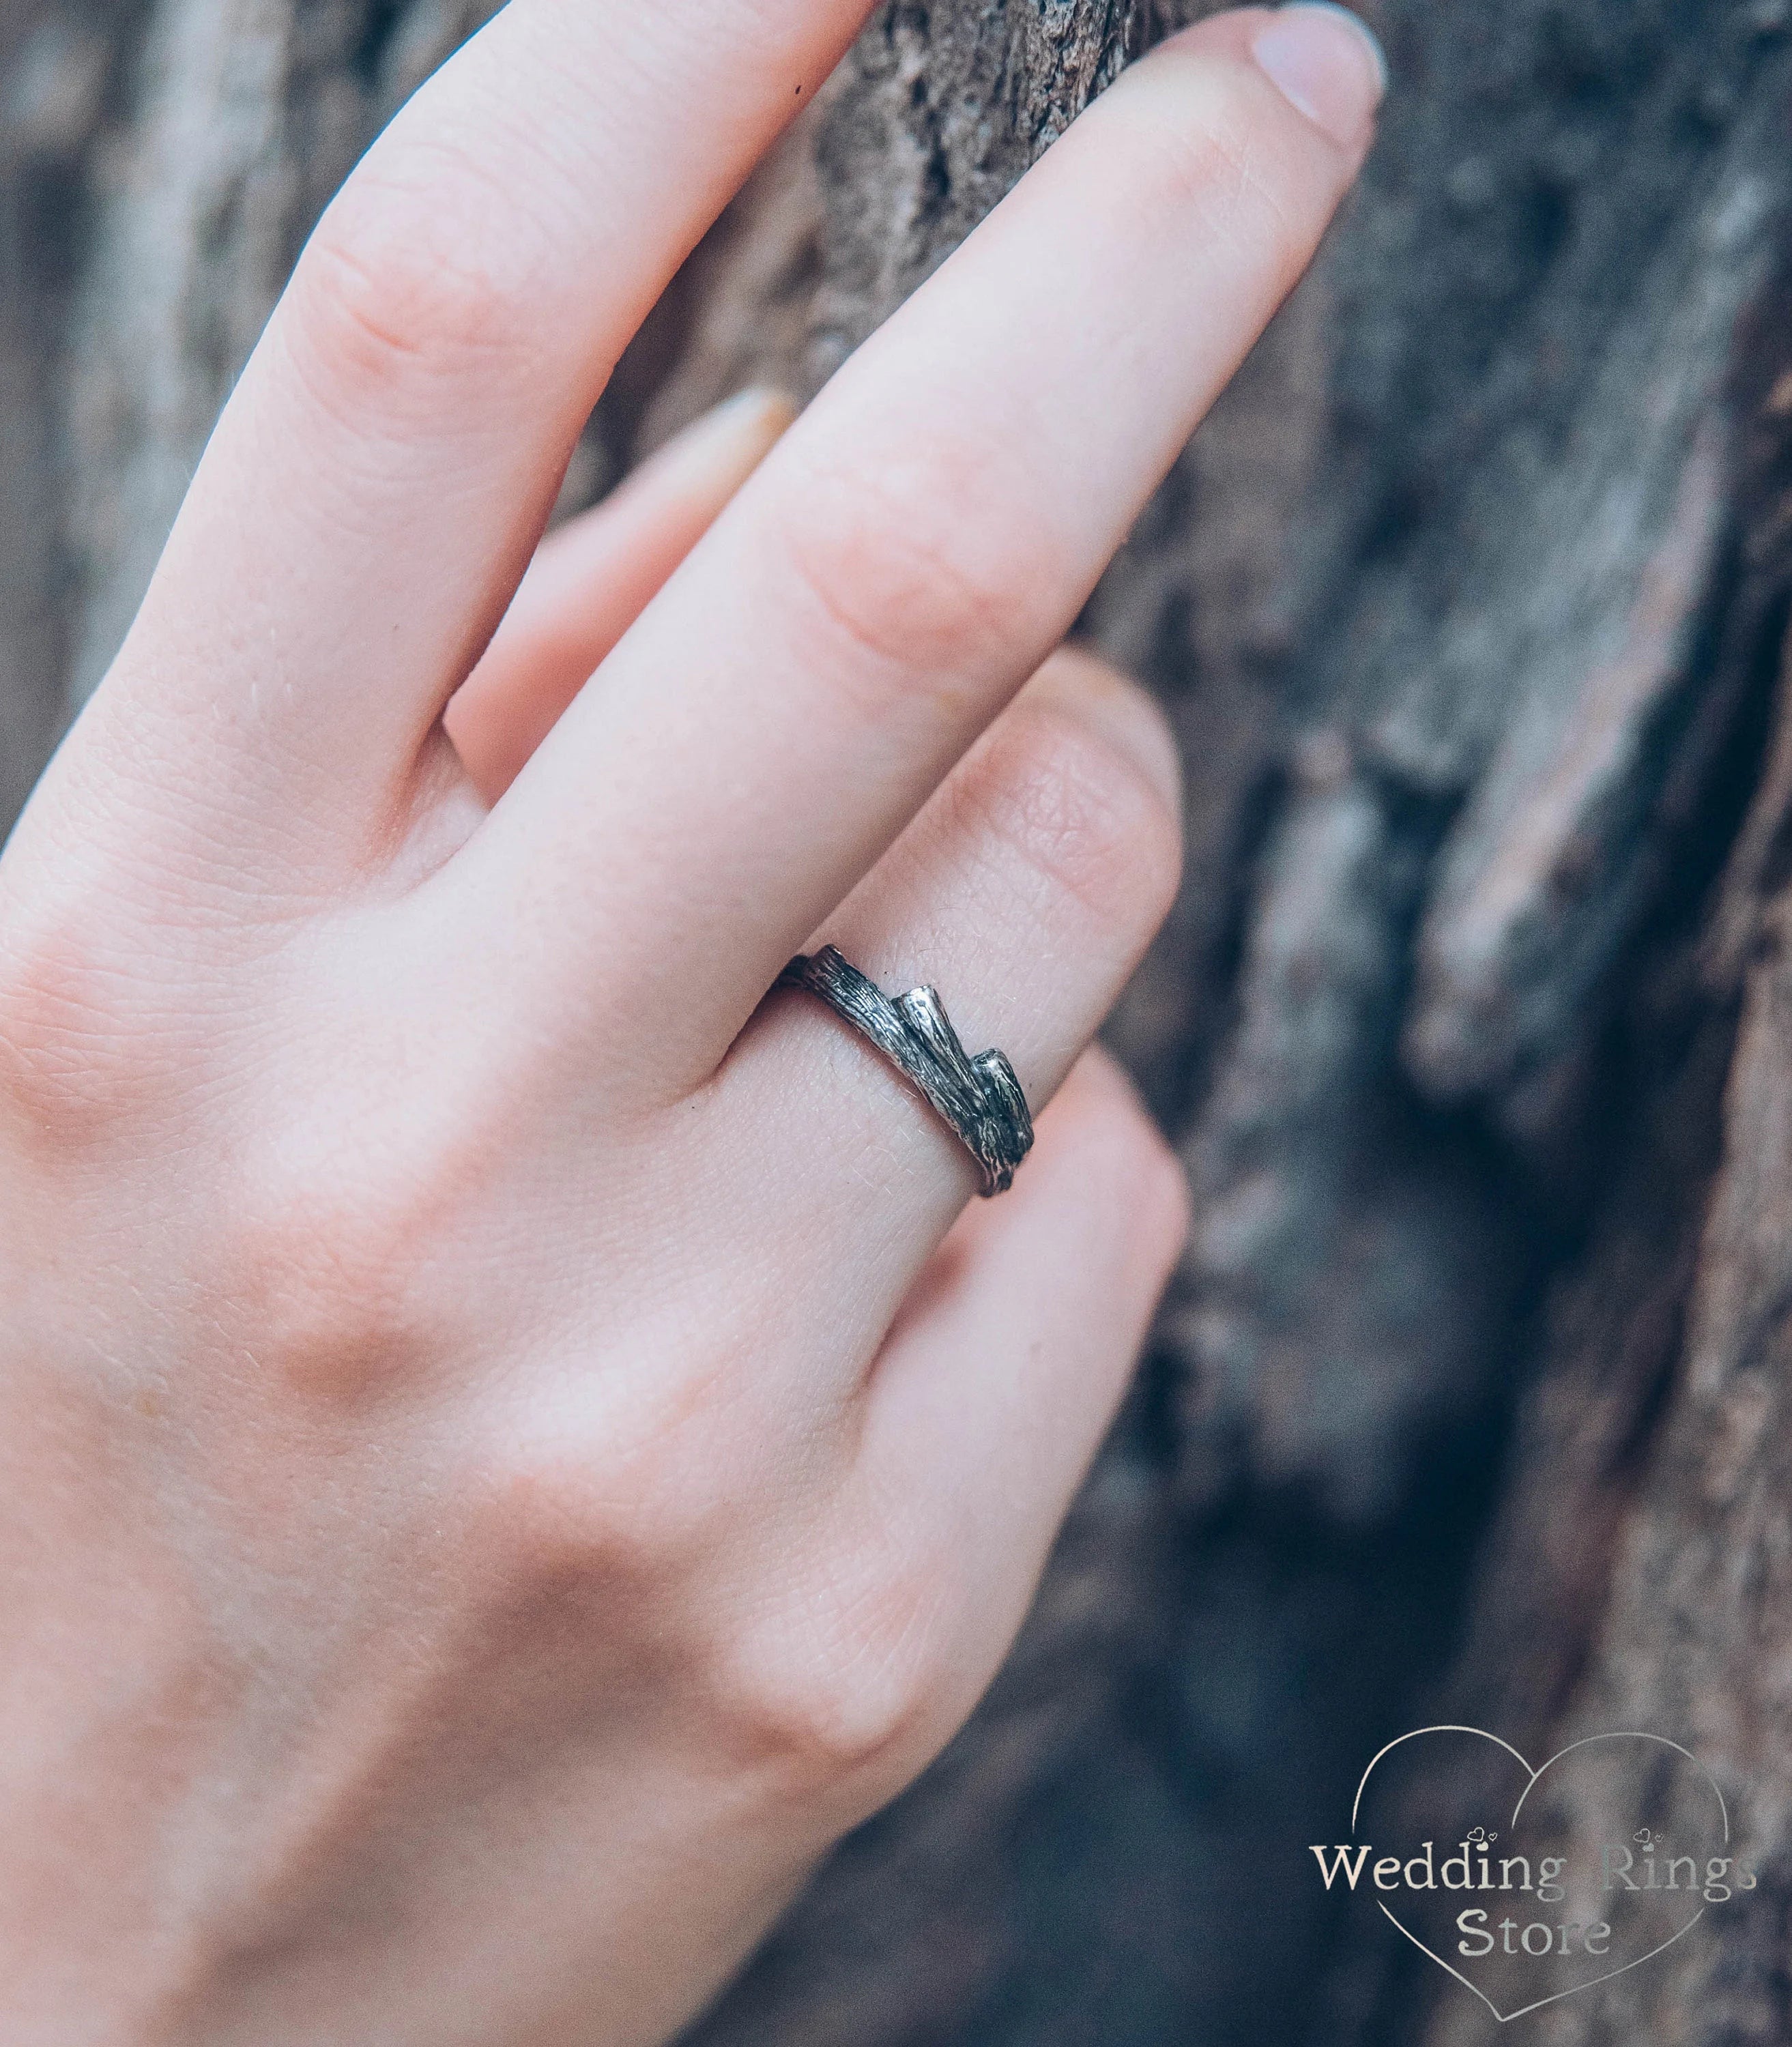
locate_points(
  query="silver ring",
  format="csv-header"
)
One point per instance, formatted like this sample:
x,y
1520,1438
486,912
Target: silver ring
x,y
981,1099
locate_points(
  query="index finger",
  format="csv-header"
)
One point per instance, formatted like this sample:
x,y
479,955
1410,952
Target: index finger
x,y
374,489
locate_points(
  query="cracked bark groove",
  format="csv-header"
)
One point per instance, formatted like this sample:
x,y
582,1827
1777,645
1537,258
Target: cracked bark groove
x,y
1474,1022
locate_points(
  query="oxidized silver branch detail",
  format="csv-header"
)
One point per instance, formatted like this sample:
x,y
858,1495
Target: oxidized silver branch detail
x,y
981,1099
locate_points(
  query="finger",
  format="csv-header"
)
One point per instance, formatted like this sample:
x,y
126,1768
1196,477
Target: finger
x,y
592,579
1026,892
962,1447
917,542
1006,1370
388,462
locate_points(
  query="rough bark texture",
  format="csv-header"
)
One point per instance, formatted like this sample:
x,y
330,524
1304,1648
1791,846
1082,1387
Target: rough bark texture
x,y
1474,1022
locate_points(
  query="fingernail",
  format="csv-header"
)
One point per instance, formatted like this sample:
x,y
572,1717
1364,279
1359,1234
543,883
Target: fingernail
x,y
761,408
1327,64
728,442
763,398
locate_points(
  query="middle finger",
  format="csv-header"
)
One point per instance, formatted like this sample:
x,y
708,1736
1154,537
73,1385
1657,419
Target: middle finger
x,y
913,549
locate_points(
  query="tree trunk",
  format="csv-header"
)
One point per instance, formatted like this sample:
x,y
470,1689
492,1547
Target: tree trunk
x,y
1474,1023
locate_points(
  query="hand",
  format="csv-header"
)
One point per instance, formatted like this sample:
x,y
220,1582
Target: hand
x,y
510,1441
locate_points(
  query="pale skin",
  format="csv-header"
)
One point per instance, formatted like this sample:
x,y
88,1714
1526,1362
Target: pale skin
x,y
511,1442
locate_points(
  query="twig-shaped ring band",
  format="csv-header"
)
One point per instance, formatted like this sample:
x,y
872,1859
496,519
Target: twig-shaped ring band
x,y
981,1099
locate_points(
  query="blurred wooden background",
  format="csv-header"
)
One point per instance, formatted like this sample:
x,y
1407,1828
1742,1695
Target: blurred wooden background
x,y
1475,1024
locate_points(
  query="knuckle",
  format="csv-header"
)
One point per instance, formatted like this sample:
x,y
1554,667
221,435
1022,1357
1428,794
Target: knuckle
x,y
70,1067
891,557
321,1274
403,286
620,1526
1080,814
641,1481
845,1687
571,1569
352,1282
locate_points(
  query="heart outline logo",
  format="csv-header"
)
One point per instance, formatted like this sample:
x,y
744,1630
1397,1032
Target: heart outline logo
x,y
1587,1741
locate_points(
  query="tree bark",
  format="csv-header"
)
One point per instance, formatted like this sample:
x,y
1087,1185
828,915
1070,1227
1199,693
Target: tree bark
x,y
1473,1024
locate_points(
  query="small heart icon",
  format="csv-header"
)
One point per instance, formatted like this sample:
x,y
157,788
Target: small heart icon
x,y
1554,1888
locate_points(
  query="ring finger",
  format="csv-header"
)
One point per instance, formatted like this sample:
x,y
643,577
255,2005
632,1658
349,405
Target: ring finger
x,y
1026,892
